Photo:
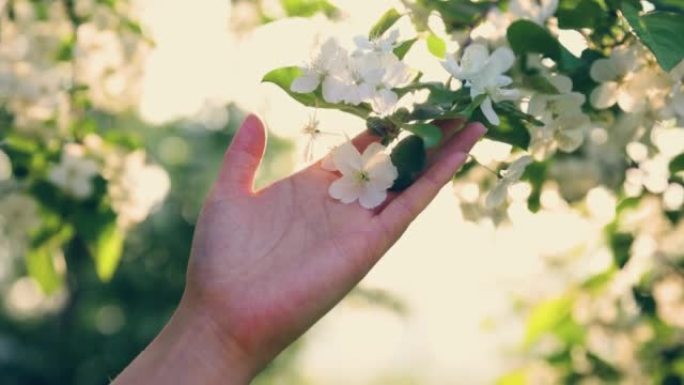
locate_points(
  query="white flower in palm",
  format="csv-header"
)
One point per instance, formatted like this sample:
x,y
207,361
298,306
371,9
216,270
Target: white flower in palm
x,y
365,177
379,44
625,80
484,75
331,58
508,177
74,174
564,123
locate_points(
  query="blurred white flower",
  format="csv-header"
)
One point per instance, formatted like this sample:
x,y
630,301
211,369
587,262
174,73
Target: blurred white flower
x,y
508,177
331,58
19,215
484,75
669,296
136,188
5,166
626,81
74,173
365,177
494,26
564,123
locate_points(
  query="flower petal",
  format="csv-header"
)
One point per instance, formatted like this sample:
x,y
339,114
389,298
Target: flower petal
x,y
497,195
488,111
474,58
502,60
371,197
371,151
382,173
347,159
562,83
306,83
604,95
603,70
346,189
334,89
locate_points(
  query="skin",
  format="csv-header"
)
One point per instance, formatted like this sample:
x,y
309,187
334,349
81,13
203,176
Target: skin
x,y
266,265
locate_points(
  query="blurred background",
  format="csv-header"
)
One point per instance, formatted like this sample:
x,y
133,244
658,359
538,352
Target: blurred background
x,y
114,116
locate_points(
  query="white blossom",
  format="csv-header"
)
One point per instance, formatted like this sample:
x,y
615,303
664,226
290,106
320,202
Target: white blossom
x,y
74,173
484,75
508,177
330,59
136,188
625,80
396,74
19,215
564,123
365,177
380,44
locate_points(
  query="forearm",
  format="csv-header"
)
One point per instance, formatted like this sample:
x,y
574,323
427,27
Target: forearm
x,y
189,350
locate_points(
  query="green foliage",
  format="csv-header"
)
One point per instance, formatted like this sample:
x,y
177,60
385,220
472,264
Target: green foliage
x,y
579,14
429,133
307,8
410,158
526,36
436,45
386,22
546,317
659,31
404,47
620,245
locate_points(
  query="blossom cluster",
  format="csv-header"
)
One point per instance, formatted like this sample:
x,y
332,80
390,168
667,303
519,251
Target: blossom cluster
x,y
367,75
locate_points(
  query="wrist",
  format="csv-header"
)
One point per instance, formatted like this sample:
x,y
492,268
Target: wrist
x,y
190,349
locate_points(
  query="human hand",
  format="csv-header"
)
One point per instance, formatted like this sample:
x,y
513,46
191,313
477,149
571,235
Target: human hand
x,y
266,265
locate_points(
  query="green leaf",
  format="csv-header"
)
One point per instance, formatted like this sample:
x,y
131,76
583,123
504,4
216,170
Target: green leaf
x,y
545,317
661,32
41,268
539,83
467,111
430,133
283,78
510,130
307,8
620,245
386,22
436,45
402,49
103,238
409,157
106,249
575,14
526,36
644,300
677,164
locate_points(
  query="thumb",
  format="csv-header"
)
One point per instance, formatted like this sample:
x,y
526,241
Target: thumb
x,y
243,156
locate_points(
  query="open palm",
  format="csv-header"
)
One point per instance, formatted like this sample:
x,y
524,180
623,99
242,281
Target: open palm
x,y
266,265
